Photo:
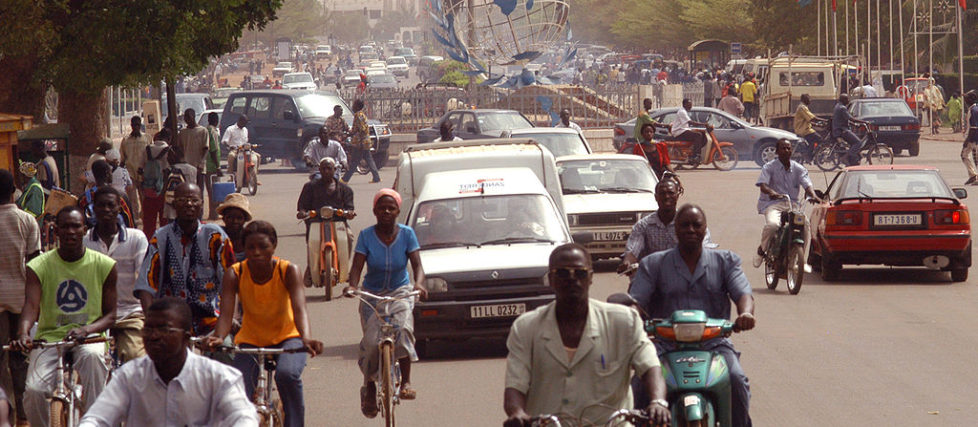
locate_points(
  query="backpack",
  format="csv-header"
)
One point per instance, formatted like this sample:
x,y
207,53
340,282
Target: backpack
x,y
153,174
173,180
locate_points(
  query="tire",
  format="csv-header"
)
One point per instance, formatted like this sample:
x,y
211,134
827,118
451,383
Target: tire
x,y
880,154
327,278
770,275
796,269
830,269
58,414
914,148
729,163
766,152
380,158
825,158
253,180
387,386
959,274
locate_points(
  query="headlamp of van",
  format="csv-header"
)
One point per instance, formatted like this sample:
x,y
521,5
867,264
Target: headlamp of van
x,y
436,284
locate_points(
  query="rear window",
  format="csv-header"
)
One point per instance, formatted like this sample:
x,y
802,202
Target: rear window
x,y
802,78
884,109
894,184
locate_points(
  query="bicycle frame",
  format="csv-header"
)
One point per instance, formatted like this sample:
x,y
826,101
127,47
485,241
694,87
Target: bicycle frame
x,y
268,413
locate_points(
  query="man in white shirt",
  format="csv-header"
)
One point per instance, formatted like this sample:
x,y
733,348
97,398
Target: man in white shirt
x,y
324,146
127,246
234,137
565,121
682,131
172,386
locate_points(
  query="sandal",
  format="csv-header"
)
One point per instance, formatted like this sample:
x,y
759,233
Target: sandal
x,y
368,402
408,393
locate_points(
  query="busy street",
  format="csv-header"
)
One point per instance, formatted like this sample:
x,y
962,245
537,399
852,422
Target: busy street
x,y
528,213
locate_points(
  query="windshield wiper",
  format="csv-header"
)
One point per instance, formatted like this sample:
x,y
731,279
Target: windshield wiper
x,y
625,190
516,240
579,191
448,245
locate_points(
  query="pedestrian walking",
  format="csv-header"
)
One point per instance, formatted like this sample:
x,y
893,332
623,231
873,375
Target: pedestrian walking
x,y
133,151
212,163
361,144
193,142
970,149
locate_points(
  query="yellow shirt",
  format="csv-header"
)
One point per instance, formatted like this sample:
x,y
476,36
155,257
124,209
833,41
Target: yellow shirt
x,y
747,91
268,318
612,345
803,120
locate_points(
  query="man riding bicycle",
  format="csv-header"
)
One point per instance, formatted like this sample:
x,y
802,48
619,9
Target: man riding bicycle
x,y
780,179
840,129
804,118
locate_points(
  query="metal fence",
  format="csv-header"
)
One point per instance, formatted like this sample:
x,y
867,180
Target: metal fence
x,y
123,103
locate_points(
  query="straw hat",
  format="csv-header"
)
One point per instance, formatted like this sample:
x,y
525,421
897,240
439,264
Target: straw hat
x,y
235,200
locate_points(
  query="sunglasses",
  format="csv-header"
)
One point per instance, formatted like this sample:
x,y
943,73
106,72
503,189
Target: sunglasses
x,y
162,330
567,273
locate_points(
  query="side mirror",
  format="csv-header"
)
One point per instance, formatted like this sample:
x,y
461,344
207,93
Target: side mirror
x,y
960,193
582,237
820,194
288,115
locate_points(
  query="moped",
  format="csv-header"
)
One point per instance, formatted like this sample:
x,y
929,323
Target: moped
x,y
328,250
246,168
785,254
721,154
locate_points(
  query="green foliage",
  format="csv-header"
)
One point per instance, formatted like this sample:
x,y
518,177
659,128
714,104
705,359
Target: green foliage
x,y
452,73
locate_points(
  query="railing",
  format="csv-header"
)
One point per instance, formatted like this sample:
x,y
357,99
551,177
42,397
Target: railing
x,y
123,103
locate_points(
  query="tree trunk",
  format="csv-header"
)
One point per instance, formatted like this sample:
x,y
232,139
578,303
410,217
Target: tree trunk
x,y
19,94
86,116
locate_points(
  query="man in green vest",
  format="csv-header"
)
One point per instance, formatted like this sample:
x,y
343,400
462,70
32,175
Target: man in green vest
x,y
71,294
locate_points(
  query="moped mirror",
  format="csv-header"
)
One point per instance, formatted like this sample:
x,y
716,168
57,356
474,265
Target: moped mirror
x,y
820,194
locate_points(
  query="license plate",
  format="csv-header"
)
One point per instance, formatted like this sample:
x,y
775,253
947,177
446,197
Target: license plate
x,y
896,220
496,310
890,128
609,235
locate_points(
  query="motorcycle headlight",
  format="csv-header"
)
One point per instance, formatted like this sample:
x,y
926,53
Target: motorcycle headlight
x,y
799,220
689,332
436,284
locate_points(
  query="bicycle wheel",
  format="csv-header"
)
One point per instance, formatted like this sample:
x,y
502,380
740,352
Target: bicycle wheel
x,y
58,414
826,159
771,274
386,383
880,154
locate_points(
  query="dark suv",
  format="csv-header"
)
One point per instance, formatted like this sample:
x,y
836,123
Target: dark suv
x,y
283,121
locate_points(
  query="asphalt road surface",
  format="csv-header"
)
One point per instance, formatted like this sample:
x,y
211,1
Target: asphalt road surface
x,y
882,346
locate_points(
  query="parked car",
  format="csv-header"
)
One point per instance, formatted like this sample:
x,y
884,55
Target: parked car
x,y
408,54
303,81
898,127
202,118
351,78
381,81
605,195
200,102
220,95
323,51
560,141
426,69
281,69
897,215
283,121
472,124
398,66
751,142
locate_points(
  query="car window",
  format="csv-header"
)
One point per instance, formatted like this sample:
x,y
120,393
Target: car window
x,y
889,183
468,123
884,109
238,105
456,119
260,108
666,118
281,105
717,121
503,121
802,78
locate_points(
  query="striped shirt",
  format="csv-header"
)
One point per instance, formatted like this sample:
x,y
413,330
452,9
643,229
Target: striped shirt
x,y
21,237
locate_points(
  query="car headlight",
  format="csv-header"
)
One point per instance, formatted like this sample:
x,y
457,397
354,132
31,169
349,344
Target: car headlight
x,y
385,130
572,220
298,133
436,284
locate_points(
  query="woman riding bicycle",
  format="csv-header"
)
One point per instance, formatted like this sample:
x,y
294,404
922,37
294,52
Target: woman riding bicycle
x,y
274,306
386,248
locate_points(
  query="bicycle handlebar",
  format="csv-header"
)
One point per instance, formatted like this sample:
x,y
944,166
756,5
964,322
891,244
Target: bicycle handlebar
x,y
91,339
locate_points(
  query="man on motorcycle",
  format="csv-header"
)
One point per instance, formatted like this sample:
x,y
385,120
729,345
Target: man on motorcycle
x,y
234,137
691,277
681,130
840,129
326,191
780,179
804,118
325,145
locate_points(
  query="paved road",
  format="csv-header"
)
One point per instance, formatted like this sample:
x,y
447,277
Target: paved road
x,y
881,347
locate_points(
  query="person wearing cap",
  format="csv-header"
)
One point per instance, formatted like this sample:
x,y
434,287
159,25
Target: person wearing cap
x,y
122,180
386,248
327,191
47,168
235,212
32,197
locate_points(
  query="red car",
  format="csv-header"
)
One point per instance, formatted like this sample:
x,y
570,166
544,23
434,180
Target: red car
x,y
898,215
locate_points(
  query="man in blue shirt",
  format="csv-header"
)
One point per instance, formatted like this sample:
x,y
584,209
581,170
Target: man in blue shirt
x,y
779,180
691,277
840,129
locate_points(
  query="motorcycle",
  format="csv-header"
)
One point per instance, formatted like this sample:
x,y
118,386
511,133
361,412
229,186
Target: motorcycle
x,y
721,154
785,254
328,251
246,168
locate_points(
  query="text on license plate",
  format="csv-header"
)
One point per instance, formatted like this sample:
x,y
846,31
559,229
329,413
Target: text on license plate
x,y
609,235
897,219
889,128
497,310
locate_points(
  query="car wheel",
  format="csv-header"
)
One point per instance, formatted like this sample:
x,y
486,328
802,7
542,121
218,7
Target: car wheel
x,y
914,148
830,269
380,158
766,151
959,274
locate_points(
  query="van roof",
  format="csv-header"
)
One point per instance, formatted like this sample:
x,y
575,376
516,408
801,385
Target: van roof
x,y
472,145
480,182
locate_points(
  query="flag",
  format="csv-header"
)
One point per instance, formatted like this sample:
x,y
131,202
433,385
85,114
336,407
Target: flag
x,y
804,3
833,5
964,4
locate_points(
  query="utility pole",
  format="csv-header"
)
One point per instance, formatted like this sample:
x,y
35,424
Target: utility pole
x,y
960,12
835,31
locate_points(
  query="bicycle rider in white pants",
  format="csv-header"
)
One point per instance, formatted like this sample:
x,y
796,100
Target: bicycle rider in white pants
x,y
781,177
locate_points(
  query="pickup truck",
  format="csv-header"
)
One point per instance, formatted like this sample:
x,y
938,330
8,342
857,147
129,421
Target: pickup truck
x,y
788,80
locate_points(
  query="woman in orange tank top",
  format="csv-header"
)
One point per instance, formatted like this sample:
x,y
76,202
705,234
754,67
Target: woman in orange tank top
x,y
274,306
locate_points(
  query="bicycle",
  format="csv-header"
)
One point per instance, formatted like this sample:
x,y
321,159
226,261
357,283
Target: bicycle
x,y
832,155
785,254
271,413
65,406
629,416
388,382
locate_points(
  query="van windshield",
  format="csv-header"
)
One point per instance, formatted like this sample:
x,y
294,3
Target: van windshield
x,y
488,220
605,176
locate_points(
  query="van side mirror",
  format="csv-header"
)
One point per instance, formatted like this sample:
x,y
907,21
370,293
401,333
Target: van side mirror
x,y
583,237
960,193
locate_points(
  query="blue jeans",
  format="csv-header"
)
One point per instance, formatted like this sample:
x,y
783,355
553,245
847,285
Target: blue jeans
x,y
356,154
288,378
855,145
739,384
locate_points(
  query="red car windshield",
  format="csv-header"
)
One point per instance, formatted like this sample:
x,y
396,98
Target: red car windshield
x,y
893,184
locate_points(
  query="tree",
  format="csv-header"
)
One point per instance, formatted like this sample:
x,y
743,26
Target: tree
x,y
81,47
